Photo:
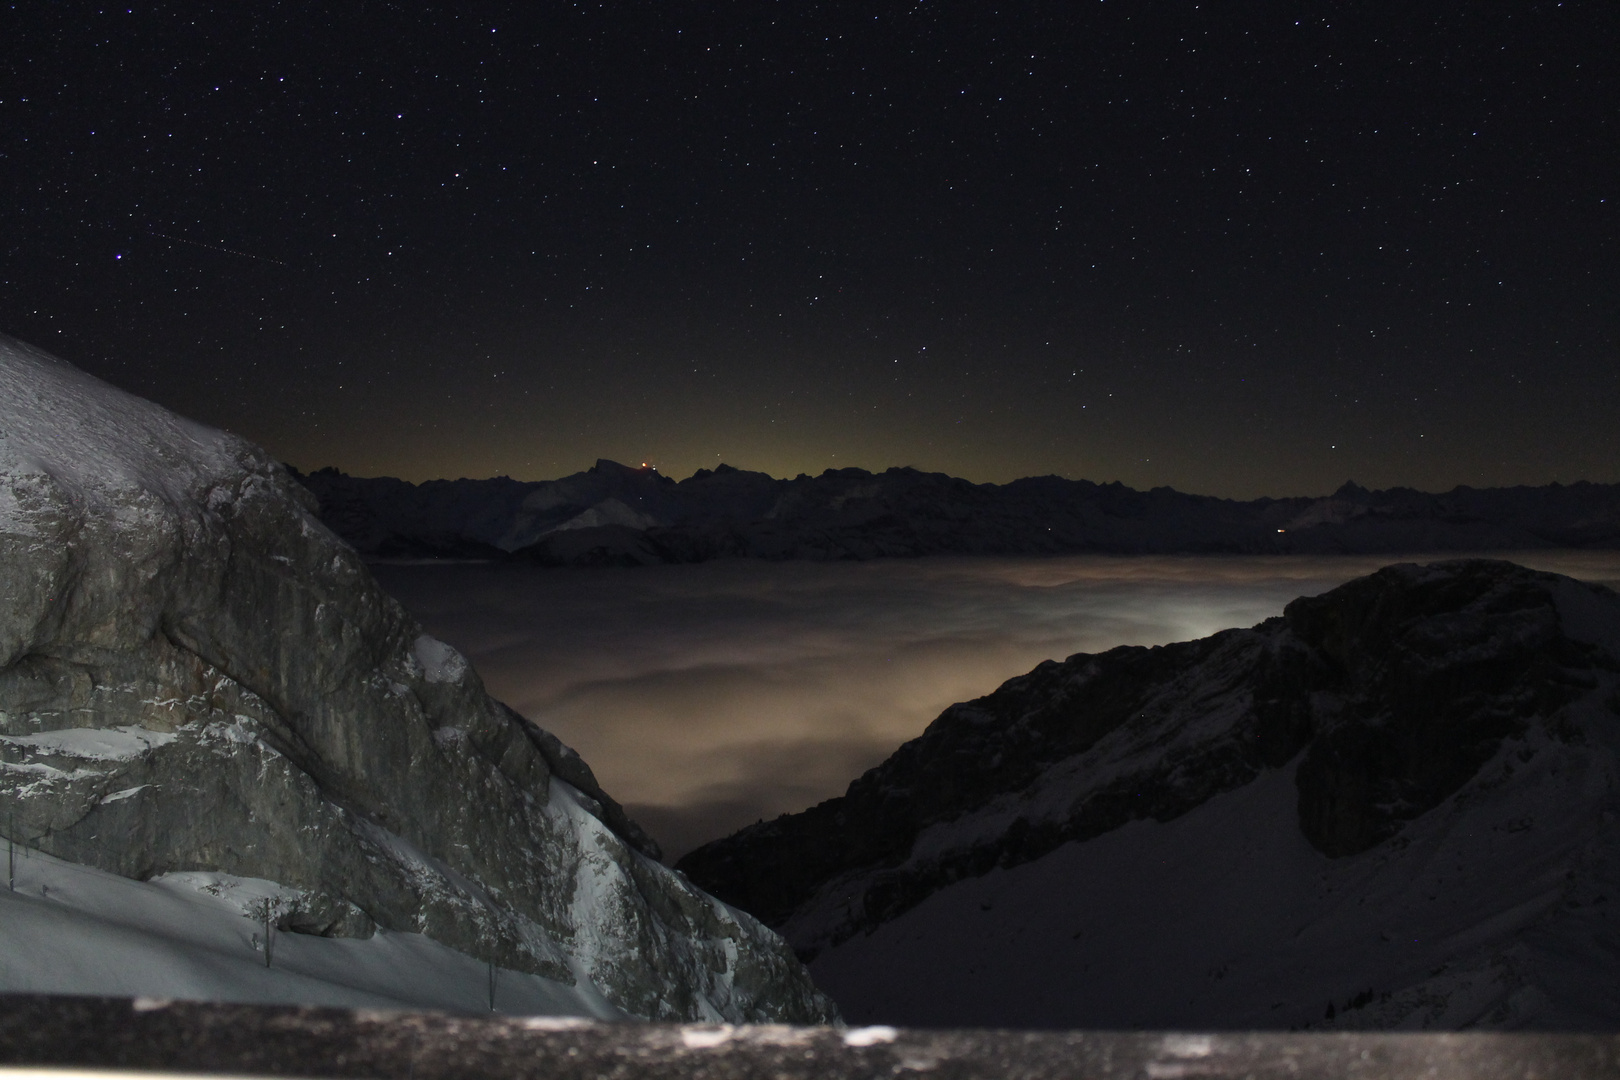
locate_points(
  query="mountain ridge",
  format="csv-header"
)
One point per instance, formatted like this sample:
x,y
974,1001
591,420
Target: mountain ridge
x,y
613,514
1449,722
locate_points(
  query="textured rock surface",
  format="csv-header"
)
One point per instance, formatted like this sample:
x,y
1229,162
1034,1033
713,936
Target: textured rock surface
x,y
196,674
1474,702
614,515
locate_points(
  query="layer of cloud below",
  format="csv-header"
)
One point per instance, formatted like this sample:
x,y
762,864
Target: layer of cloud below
x,y
707,697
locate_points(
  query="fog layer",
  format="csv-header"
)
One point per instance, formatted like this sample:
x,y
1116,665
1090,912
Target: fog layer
x,y
706,697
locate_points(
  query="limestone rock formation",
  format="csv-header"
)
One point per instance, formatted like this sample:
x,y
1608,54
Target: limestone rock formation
x,y
195,673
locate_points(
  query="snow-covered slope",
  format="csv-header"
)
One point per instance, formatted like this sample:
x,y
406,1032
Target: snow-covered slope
x,y
194,935
196,675
1395,806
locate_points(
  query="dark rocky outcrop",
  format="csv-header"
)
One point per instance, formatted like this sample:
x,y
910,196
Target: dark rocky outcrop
x,y
196,674
1390,692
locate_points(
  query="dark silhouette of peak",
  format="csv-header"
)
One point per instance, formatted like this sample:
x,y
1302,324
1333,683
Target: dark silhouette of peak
x,y
1351,490
608,467
1406,783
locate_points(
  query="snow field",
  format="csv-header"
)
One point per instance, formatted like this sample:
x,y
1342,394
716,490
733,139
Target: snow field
x,y
70,929
1492,909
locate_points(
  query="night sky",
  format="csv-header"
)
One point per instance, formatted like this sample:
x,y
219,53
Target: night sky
x,y
1239,249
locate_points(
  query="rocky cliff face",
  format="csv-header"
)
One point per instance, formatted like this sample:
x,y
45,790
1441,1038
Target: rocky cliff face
x,y
1424,725
615,515
196,674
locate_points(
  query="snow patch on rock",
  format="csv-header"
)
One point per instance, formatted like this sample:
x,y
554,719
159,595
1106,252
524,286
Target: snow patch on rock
x,y
440,663
93,439
608,512
93,744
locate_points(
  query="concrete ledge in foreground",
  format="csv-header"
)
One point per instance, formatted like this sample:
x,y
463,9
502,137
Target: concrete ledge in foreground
x,y
115,1034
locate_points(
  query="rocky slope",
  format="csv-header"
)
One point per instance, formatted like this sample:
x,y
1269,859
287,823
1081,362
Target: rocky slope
x,y
195,674
1393,805
616,515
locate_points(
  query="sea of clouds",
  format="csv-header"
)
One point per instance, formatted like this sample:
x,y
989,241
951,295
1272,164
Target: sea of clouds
x,y
707,697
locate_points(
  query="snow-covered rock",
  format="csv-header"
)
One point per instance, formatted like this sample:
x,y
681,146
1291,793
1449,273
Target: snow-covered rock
x,y
196,675
1395,805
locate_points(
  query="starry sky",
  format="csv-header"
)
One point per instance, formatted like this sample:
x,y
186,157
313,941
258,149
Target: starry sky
x,y
1237,249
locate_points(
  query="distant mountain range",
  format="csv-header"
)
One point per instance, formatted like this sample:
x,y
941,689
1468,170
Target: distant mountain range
x,y
1394,806
616,515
